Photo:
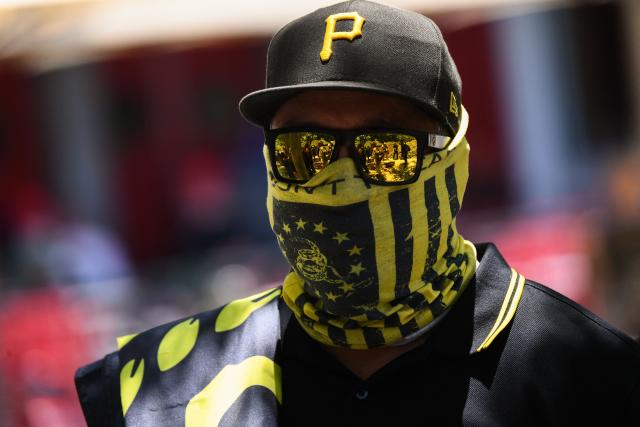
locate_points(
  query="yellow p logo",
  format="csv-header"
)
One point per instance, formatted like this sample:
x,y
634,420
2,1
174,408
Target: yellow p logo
x,y
330,33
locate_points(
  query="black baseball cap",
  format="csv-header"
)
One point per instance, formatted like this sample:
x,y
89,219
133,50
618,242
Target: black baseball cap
x,y
371,47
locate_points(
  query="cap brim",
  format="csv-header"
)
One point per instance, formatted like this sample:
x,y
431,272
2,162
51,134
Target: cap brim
x,y
260,106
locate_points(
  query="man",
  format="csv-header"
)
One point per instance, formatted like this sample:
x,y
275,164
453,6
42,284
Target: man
x,y
388,316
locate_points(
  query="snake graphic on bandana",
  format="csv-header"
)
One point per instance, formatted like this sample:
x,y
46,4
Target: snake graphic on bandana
x,y
313,265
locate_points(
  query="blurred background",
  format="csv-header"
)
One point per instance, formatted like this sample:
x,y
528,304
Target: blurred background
x,y
132,193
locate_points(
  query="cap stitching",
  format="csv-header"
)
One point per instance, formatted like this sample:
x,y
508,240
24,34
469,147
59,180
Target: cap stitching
x,y
437,105
441,40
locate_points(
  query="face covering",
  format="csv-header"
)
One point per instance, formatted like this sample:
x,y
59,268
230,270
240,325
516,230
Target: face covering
x,y
373,265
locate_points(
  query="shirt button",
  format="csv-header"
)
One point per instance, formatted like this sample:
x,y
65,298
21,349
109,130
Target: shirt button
x,y
362,394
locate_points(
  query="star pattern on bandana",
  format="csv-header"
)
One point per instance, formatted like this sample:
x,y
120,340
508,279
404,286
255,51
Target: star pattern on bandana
x,y
347,287
355,250
340,237
319,228
331,296
357,269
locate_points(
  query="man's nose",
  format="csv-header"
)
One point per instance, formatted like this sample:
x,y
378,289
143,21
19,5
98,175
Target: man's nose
x,y
344,152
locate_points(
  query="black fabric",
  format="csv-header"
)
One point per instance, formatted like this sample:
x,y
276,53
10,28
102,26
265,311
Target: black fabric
x,y
163,396
98,390
400,53
318,390
555,364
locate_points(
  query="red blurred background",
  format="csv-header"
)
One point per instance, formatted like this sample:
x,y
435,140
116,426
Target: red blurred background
x,y
132,192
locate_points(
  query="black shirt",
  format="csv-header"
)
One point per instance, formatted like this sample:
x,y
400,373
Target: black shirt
x,y
553,363
319,390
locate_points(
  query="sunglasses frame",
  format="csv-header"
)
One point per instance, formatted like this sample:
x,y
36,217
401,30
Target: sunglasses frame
x,y
348,137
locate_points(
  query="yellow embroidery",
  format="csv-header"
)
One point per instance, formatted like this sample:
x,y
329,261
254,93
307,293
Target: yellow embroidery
x,y
236,312
208,407
124,340
331,34
508,309
130,383
453,105
177,343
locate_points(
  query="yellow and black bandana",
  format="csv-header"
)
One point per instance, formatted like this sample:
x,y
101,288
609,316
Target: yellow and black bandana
x,y
373,265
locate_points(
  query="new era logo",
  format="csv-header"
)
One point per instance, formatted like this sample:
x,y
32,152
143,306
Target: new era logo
x,y
453,105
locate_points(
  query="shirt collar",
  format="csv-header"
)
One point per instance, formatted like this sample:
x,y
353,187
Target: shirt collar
x,y
485,308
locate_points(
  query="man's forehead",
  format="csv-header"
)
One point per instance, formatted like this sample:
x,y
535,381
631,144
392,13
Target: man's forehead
x,y
350,109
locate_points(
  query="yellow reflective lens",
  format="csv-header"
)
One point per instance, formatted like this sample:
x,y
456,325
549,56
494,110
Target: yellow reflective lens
x,y
387,157
300,155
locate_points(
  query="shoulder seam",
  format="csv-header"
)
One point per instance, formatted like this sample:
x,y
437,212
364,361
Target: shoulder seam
x,y
582,311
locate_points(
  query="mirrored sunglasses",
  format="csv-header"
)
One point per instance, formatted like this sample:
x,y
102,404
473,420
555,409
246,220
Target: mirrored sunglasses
x,y
382,156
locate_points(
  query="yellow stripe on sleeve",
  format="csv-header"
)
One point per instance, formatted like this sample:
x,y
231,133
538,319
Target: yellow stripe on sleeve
x,y
236,312
130,383
124,340
209,406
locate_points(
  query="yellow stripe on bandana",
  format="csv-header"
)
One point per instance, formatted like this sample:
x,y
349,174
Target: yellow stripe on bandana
x,y
385,255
